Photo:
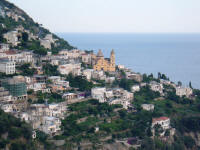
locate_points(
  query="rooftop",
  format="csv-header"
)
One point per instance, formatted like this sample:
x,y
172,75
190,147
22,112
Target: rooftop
x,y
160,119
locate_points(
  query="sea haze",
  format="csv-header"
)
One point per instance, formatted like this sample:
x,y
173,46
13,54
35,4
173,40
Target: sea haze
x,y
176,55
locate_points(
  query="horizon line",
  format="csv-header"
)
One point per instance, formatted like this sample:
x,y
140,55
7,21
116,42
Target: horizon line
x,y
127,32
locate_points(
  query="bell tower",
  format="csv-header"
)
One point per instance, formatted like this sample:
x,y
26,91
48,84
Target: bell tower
x,y
112,58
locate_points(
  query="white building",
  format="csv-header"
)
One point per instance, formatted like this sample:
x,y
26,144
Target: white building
x,y
184,91
98,75
157,87
164,122
148,107
54,62
135,88
122,102
50,110
109,94
38,86
27,57
70,96
127,95
8,108
135,76
13,55
12,37
2,55
4,47
51,125
7,66
110,79
24,116
87,58
63,83
121,67
88,73
47,41
99,94
5,95
65,69
75,53
54,79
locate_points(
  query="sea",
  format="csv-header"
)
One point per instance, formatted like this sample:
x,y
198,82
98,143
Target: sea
x,y
176,55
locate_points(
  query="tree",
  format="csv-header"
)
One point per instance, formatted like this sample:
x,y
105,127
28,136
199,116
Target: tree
x,y
29,92
147,144
24,37
188,141
179,83
159,75
50,70
26,70
158,129
126,84
190,85
149,133
164,77
41,136
79,82
151,75
14,133
167,132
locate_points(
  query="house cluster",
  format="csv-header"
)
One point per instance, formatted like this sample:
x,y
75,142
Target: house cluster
x,y
13,15
47,117
6,12
13,94
15,36
44,117
93,67
46,84
113,96
10,58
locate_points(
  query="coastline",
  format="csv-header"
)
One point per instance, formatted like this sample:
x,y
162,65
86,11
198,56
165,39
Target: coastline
x,y
175,55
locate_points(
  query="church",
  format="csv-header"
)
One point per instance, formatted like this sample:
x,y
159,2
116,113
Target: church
x,y
105,64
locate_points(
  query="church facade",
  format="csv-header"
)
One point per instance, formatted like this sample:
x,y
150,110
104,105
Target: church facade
x,y
105,64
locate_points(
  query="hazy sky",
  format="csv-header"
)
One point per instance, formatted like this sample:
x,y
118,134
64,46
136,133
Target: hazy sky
x,y
115,15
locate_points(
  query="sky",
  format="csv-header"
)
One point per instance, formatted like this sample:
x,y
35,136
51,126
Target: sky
x,y
132,16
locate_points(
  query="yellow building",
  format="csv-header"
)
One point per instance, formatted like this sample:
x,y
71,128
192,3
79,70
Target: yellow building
x,y
105,64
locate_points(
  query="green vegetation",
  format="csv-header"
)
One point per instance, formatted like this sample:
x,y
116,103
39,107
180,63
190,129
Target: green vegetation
x,y
88,115
31,26
26,70
126,83
162,76
33,45
119,124
52,98
50,70
149,78
79,82
19,133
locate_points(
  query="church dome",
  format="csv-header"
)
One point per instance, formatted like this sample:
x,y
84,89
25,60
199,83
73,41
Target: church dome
x,y
100,54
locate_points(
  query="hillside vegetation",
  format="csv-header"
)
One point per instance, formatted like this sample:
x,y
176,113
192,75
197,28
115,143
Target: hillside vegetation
x,y
30,33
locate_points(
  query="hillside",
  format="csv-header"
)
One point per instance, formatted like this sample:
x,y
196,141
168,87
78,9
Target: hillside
x,y
85,108
14,134
21,32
